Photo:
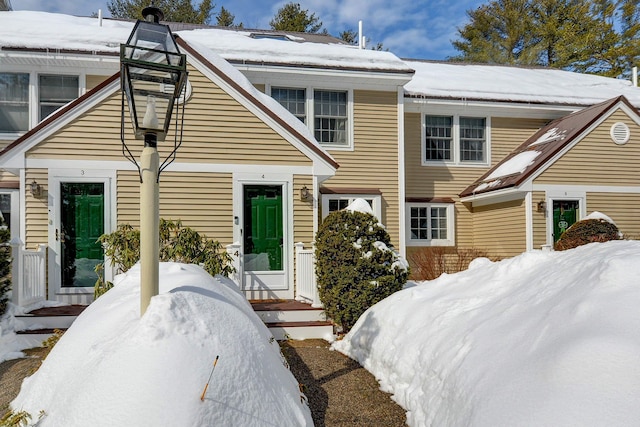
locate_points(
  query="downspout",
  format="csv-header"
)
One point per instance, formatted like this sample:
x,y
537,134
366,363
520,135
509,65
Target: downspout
x,y
401,176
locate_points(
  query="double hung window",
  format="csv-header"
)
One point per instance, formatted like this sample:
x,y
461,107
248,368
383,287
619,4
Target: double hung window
x,y
325,112
430,224
54,91
14,102
455,140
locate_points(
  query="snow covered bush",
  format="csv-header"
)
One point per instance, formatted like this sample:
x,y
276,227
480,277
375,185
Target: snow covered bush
x,y
594,228
356,266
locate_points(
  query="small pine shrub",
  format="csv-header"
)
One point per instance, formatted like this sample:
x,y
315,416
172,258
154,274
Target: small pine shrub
x,y
587,231
356,266
5,267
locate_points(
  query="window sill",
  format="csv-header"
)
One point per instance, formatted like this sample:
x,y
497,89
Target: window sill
x,y
429,243
457,165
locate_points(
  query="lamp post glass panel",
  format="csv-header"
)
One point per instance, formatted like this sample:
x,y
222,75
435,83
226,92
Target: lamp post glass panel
x,y
153,74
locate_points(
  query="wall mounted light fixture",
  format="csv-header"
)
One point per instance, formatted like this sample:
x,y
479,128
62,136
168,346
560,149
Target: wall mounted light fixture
x,y
542,206
35,188
304,193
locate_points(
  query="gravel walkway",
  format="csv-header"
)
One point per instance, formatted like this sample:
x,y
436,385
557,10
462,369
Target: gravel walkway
x,y
12,372
341,393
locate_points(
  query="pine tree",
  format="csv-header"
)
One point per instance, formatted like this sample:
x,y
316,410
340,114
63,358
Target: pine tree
x,y
226,19
174,10
595,36
5,266
291,17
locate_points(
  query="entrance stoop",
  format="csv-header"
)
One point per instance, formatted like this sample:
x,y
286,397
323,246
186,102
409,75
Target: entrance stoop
x,y
39,324
289,319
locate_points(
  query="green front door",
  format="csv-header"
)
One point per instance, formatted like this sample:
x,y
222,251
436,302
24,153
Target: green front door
x,y
263,232
82,215
565,214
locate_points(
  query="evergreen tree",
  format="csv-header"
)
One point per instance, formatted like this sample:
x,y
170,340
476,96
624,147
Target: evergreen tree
x,y
349,36
226,19
5,266
174,10
596,36
291,17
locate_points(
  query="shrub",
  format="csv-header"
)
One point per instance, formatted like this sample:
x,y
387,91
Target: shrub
x,y
5,267
429,263
355,266
587,231
177,243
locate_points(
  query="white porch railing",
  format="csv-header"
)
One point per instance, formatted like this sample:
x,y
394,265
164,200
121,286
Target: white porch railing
x,y
306,287
29,274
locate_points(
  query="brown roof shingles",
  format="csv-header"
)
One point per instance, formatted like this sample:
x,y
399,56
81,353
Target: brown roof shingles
x,y
548,141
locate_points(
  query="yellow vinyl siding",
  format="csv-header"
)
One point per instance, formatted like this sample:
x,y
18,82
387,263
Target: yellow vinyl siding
x,y
597,160
500,229
622,208
9,177
36,212
92,81
217,129
539,221
202,201
449,181
374,161
302,211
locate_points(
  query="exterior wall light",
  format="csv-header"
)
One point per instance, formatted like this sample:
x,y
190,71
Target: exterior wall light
x,y
305,194
542,206
35,188
153,74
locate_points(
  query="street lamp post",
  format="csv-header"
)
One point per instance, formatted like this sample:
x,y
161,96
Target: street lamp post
x,y
153,74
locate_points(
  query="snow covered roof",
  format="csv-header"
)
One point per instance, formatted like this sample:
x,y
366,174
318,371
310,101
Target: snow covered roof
x,y
461,81
53,31
536,151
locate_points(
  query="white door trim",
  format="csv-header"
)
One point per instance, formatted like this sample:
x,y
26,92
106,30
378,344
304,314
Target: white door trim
x,y
279,282
55,178
580,196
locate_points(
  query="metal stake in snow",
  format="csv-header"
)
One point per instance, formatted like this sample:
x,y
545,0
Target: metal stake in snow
x,y
215,362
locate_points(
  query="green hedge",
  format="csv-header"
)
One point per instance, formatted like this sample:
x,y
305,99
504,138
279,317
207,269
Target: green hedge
x,y
355,266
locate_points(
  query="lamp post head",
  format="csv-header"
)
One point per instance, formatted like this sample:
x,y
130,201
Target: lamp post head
x,y
153,74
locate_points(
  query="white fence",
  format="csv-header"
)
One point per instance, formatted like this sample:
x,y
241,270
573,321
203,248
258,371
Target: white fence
x,y
306,287
29,274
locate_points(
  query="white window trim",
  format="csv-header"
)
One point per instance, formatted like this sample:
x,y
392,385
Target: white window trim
x,y
310,113
455,136
34,93
431,242
377,202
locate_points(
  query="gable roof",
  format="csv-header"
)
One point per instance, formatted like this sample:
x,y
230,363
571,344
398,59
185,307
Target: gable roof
x,y
537,151
530,85
267,109
55,32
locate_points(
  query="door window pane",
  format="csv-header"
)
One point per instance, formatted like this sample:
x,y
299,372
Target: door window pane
x,y
14,102
55,91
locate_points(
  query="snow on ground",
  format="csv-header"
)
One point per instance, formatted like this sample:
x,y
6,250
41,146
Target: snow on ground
x,y
115,368
545,338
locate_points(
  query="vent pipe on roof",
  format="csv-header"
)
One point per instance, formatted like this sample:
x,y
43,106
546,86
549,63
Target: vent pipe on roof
x,y
100,16
361,40
634,76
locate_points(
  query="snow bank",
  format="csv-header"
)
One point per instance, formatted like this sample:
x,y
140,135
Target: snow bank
x,y
113,368
545,338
